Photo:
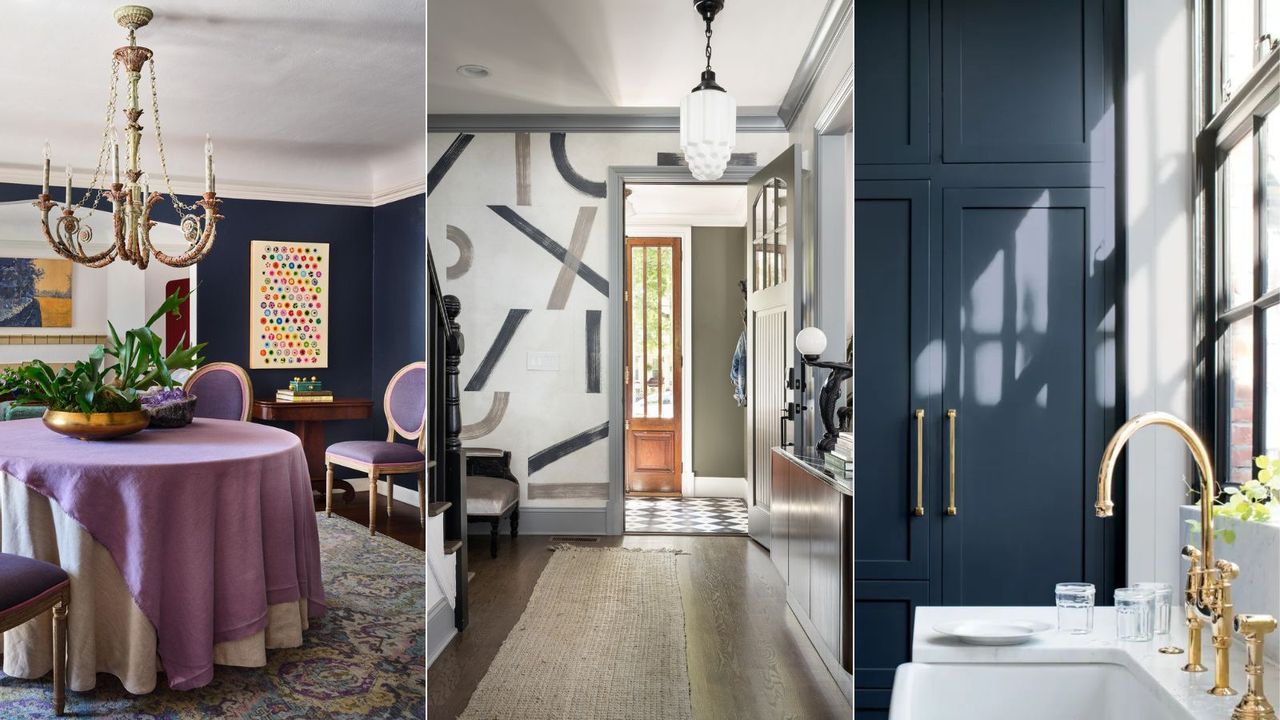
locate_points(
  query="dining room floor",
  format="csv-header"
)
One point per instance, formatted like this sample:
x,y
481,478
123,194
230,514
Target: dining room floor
x,y
403,525
748,657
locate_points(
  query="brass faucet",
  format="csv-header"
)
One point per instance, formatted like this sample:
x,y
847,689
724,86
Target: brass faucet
x,y
1208,590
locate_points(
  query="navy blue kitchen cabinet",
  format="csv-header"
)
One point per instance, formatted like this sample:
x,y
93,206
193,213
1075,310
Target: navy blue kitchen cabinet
x,y
987,284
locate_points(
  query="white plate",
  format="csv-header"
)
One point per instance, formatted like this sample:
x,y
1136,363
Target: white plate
x,y
993,632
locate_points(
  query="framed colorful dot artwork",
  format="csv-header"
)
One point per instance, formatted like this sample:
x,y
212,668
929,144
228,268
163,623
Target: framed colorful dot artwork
x,y
288,304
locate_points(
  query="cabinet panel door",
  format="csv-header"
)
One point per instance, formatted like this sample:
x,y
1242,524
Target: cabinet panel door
x,y
1030,370
891,77
1021,81
800,536
780,517
896,372
883,618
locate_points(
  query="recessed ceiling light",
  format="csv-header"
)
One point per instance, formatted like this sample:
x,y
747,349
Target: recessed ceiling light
x,y
473,71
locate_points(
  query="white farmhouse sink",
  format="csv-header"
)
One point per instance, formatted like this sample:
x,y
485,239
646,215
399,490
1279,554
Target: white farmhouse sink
x,y
1045,691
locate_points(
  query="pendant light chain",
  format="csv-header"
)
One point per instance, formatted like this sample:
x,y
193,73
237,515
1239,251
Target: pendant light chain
x,y
104,152
708,44
155,117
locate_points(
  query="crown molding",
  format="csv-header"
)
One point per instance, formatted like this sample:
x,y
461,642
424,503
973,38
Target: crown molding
x,y
571,122
835,19
31,175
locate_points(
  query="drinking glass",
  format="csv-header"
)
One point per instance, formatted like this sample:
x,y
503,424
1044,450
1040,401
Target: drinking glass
x,y
1163,604
1135,610
1075,607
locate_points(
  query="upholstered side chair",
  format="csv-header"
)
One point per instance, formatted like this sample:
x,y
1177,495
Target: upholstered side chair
x,y
492,491
28,588
222,390
405,404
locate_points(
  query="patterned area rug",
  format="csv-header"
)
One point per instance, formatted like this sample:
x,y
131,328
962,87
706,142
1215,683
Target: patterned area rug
x,y
602,637
686,516
364,659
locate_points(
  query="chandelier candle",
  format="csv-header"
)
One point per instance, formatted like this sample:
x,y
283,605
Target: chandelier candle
x,y
129,193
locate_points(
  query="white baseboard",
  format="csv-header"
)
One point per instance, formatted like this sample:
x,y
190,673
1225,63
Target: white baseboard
x,y
440,629
706,486
409,496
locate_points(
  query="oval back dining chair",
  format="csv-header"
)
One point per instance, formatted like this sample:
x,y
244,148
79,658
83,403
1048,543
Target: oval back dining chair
x,y
405,404
222,390
29,588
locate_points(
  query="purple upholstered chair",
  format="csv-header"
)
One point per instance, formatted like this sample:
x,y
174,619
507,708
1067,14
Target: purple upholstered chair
x,y
222,390
29,588
405,403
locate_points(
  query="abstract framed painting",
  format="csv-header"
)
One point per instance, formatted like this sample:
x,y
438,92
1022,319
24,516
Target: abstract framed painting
x,y
35,292
289,305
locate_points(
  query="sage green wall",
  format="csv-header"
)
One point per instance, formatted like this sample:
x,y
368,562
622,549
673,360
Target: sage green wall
x,y
719,261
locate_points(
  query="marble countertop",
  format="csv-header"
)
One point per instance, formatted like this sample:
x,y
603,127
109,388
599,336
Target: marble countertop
x,y
811,459
1185,694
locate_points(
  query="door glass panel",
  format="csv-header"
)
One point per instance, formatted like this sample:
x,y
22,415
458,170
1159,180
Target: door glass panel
x,y
1238,41
768,239
1239,399
652,332
757,243
1237,222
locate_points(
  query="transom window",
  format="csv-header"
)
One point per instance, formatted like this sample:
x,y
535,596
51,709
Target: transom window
x,y
1238,170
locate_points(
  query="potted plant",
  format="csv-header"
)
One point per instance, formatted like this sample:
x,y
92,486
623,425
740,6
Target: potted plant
x,y
91,400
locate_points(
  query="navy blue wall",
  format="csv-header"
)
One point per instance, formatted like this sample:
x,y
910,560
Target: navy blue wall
x,y
399,295
223,297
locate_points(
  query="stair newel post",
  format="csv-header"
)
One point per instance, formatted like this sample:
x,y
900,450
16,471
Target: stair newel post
x,y
455,477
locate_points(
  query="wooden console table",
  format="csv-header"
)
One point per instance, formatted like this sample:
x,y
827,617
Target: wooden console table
x,y
308,420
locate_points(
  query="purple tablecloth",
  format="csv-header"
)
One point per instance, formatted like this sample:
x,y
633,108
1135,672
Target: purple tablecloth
x,y
209,524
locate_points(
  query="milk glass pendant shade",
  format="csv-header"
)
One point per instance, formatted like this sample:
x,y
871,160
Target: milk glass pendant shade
x,y
708,114
708,126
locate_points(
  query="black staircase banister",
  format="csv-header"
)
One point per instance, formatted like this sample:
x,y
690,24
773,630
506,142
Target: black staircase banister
x,y
455,480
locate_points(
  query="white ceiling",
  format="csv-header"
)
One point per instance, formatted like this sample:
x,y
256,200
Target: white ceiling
x,y
609,56
689,204
323,96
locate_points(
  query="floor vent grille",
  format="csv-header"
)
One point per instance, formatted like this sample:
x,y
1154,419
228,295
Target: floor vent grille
x,y
574,538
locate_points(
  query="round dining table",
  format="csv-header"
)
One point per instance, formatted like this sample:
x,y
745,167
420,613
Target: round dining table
x,y
187,548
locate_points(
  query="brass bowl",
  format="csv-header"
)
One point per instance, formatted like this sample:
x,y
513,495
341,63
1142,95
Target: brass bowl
x,y
96,426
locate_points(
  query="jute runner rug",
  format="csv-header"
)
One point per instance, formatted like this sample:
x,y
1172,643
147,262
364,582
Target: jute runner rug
x,y
602,638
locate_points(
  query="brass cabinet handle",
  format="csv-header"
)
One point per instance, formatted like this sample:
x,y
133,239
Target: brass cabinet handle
x,y
951,418
918,511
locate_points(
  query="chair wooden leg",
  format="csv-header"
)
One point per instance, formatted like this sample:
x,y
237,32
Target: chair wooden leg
x,y
493,537
389,495
59,655
515,521
422,498
373,501
328,489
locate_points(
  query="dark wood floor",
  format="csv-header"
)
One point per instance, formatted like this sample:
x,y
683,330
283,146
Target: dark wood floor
x,y
748,657
402,525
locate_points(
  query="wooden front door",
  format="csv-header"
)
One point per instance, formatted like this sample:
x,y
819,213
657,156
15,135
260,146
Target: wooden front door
x,y
651,304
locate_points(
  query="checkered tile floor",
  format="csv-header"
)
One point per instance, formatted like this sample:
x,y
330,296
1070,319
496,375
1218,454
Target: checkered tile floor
x,y
686,516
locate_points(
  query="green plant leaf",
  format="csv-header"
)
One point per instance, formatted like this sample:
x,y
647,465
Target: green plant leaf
x,y
1229,536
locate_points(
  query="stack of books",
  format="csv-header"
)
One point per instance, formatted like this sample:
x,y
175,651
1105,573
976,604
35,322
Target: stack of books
x,y
840,458
304,390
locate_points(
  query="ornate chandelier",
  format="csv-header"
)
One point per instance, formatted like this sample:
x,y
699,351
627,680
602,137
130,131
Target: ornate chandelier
x,y
708,114
132,199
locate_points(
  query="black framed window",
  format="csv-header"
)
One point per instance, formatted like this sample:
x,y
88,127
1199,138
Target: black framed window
x,y
1237,153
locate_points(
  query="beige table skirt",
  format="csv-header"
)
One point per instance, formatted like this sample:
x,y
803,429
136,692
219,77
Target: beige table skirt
x,y
107,632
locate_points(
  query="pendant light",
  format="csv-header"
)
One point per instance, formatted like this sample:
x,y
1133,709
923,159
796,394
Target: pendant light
x,y
708,114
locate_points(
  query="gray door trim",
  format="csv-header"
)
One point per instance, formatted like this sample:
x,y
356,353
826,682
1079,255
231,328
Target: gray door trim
x,y
618,175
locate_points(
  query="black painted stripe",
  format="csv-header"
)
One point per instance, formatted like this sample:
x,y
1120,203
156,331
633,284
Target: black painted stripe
x,y
543,458
481,375
557,250
571,176
670,159
593,351
446,160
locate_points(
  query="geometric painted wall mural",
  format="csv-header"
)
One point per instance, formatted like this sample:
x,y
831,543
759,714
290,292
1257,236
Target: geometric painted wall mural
x,y
558,251
568,446
571,176
447,159
481,375
35,292
289,305
491,419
